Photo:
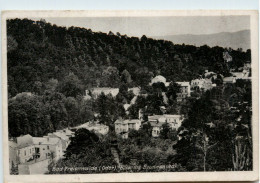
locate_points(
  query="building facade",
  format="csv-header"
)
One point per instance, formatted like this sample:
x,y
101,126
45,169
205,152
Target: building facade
x,y
203,84
184,91
34,152
197,83
157,121
229,80
64,135
122,127
95,92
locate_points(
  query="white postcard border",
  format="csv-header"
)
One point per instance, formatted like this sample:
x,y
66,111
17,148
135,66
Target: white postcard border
x,y
133,177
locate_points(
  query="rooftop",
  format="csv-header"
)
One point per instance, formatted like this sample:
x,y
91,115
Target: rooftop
x,y
165,116
104,88
63,136
229,79
91,125
45,140
127,121
158,124
183,83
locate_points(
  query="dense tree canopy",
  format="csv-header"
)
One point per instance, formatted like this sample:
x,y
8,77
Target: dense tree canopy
x,y
39,51
85,150
212,133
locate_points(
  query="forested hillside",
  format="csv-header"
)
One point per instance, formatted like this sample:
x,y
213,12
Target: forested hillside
x,y
39,51
50,67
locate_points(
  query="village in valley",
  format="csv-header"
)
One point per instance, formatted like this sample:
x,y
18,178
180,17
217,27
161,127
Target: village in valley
x,y
33,155
102,110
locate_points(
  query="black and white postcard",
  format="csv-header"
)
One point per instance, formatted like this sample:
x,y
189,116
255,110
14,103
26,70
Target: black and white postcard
x,y
130,96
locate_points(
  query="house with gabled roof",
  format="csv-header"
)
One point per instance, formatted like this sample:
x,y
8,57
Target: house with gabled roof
x,y
122,127
50,147
30,148
65,139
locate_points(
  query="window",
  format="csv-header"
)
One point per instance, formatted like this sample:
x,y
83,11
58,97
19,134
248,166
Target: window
x,y
30,151
25,152
48,147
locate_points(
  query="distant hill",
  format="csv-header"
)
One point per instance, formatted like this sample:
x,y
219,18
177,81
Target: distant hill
x,y
240,39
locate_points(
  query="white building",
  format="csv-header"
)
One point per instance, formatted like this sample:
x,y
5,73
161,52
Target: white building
x,y
158,79
38,147
34,154
48,147
25,148
185,91
230,80
197,83
157,121
95,92
204,84
65,139
122,127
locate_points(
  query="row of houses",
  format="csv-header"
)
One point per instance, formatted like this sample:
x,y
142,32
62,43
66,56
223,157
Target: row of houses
x,y
203,83
206,83
32,155
95,92
157,121
185,87
124,126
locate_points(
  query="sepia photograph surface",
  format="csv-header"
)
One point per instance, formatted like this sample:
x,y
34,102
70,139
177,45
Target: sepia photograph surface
x,y
130,95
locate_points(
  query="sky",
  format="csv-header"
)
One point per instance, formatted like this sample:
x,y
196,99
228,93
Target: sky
x,y
157,26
